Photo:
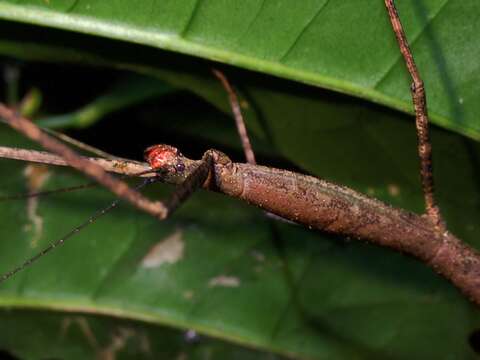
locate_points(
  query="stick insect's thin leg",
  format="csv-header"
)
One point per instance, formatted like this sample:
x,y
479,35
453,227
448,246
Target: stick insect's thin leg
x,y
242,130
91,169
237,113
80,145
421,115
192,183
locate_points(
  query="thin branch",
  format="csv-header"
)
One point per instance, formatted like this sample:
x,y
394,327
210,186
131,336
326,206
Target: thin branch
x,y
120,188
421,116
237,114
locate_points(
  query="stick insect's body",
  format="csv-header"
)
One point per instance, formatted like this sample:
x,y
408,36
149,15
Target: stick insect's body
x,y
304,199
307,200
322,205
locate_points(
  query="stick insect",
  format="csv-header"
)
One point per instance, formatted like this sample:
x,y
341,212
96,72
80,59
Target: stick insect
x,y
306,200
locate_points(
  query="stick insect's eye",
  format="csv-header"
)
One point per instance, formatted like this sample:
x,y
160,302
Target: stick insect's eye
x,y
180,167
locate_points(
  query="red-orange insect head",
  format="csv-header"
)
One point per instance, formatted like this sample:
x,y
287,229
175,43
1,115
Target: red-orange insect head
x,y
164,157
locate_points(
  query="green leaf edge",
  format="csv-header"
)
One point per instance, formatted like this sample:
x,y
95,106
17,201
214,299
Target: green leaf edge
x,y
65,305
86,25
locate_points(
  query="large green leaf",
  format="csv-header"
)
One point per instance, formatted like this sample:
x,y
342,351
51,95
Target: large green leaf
x,y
299,293
343,45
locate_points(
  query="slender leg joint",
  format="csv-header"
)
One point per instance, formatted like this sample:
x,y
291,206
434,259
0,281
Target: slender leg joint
x,y
421,117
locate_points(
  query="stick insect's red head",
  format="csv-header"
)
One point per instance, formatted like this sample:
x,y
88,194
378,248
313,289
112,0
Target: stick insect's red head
x,y
164,157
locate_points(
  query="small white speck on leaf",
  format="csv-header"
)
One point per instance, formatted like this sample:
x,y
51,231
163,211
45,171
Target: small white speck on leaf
x,y
36,176
225,281
188,294
393,190
169,250
258,256
244,104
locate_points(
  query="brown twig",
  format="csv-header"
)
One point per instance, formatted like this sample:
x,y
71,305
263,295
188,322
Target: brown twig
x,y
421,116
237,114
118,187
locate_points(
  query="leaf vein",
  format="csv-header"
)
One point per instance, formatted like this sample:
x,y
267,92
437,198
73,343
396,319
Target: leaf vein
x,y
300,34
398,58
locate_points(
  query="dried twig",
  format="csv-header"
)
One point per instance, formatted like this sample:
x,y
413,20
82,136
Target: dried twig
x,y
421,115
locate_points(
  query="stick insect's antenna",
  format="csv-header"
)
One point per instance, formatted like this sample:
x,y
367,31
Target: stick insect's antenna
x,y
80,145
68,235
48,192
421,117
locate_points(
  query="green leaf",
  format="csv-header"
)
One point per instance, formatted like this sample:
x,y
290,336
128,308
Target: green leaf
x,y
346,46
